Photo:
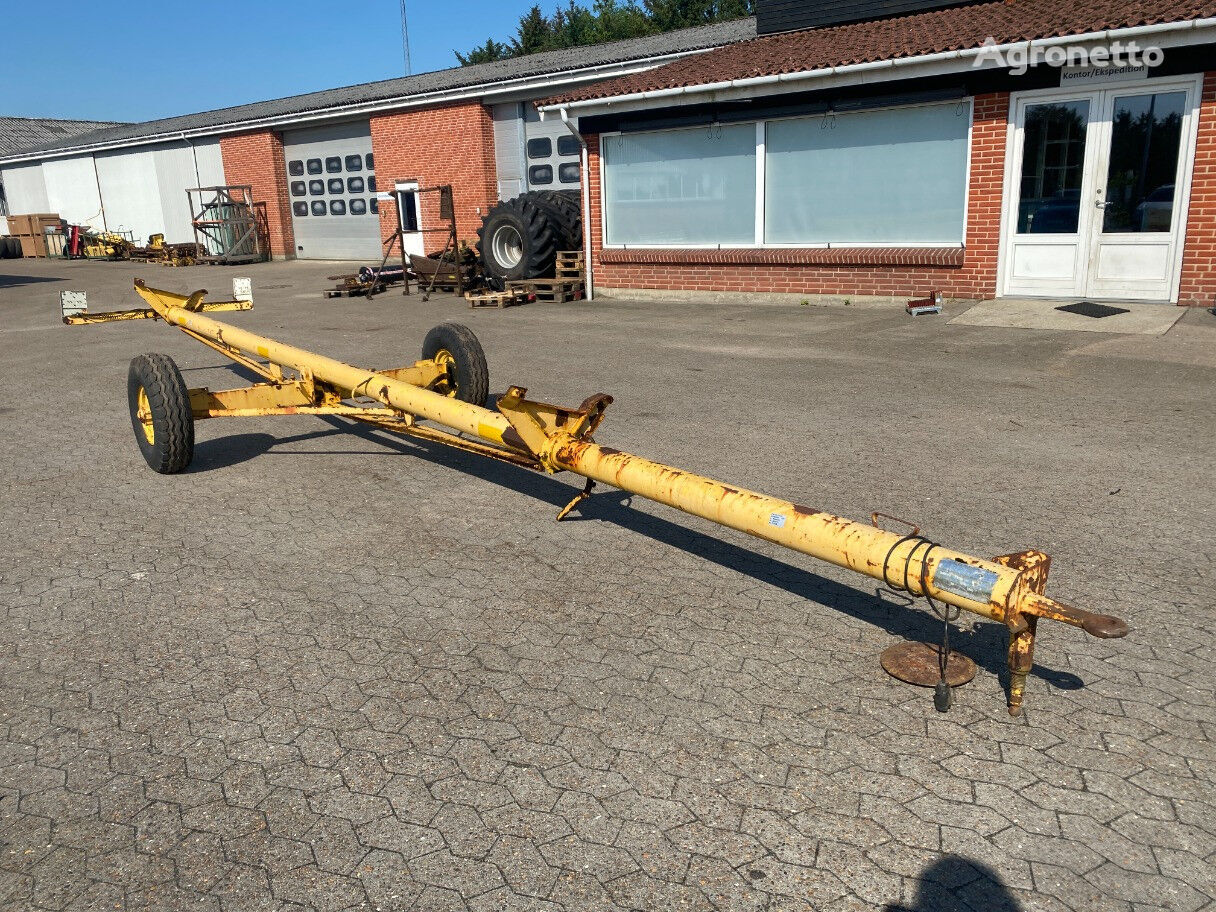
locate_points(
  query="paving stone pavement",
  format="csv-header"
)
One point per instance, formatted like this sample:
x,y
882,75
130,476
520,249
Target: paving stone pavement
x,y
331,670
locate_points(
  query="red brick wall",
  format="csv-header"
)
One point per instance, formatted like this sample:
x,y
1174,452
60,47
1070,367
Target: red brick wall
x,y
257,159
453,145
974,278
1198,283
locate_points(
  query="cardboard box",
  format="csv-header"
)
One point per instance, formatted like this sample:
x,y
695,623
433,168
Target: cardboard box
x,y
33,224
33,246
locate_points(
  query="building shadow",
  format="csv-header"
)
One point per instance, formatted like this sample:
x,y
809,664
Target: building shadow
x,y
16,281
985,643
955,884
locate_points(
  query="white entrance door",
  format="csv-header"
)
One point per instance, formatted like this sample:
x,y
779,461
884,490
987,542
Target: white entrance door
x,y
409,214
1097,191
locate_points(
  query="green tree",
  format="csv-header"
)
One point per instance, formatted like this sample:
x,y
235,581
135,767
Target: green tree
x,y
616,22
574,25
487,53
677,14
534,34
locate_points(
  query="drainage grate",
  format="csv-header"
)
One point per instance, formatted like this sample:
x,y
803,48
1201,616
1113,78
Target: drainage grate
x,y
1090,309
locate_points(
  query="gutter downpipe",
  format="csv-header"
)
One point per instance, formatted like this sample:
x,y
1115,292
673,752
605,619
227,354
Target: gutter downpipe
x,y
896,63
585,168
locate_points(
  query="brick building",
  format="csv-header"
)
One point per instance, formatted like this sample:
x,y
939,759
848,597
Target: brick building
x,y
1024,148
847,148
322,163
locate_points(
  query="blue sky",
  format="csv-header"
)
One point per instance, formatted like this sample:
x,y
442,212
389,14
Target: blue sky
x,y
139,61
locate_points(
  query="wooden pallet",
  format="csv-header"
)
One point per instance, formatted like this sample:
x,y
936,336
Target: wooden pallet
x,y
509,298
569,265
347,291
556,291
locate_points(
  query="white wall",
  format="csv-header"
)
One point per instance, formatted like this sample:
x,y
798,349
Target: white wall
x,y
143,189
71,190
130,191
179,167
25,189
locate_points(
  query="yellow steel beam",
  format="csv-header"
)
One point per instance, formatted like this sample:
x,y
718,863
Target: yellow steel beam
x,y
1008,589
146,313
424,403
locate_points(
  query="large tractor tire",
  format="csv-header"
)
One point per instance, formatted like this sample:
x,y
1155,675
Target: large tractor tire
x,y
565,207
518,240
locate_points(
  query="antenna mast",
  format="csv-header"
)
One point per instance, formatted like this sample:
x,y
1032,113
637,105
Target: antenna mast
x,y
405,40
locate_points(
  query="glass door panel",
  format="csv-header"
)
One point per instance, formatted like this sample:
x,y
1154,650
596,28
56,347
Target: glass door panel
x,y
1053,166
1146,131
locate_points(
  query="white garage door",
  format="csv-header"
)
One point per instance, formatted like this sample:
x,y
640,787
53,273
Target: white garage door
x,y
331,182
551,153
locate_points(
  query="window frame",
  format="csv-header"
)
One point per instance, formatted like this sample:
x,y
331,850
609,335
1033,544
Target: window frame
x,y
758,242
548,153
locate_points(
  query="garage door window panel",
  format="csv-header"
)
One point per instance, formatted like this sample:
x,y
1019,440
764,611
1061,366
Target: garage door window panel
x,y
692,187
314,166
337,185
298,188
567,173
567,145
318,207
354,184
354,163
295,167
333,165
841,179
316,188
358,207
299,209
540,147
540,175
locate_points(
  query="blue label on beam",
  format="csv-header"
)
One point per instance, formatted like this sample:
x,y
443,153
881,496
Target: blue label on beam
x,y
958,578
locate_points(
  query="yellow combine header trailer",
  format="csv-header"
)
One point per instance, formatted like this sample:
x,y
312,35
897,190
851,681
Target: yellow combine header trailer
x,y
447,388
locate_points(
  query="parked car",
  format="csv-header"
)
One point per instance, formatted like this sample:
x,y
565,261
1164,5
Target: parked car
x,y
1157,210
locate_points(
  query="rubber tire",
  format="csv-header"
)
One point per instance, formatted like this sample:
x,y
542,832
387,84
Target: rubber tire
x,y
566,206
172,418
537,234
472,374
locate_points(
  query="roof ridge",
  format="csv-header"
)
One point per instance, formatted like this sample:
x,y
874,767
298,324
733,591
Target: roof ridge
x,y
493,72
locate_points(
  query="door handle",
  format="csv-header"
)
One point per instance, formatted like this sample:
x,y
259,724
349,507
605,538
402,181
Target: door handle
x,y
1101,204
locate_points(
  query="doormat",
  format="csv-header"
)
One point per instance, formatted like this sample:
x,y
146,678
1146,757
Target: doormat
x,y
1090,309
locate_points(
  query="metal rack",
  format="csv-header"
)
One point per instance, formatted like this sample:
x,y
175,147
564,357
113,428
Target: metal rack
x,y
226,225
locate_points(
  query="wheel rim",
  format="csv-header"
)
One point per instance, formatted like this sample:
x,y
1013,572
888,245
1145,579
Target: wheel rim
x,y
143,411
508,247
447,383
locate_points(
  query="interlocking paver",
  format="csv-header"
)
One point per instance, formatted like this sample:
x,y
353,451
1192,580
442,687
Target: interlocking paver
x,y
327,669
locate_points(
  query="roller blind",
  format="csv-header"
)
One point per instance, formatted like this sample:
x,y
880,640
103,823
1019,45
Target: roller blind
x,y
681,187
889,176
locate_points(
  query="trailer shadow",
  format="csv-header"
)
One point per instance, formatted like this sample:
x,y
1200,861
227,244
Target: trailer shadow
x,y
16,281
985,643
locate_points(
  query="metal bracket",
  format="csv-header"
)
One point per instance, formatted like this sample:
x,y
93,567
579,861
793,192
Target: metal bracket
x,y
539,426
1032,567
